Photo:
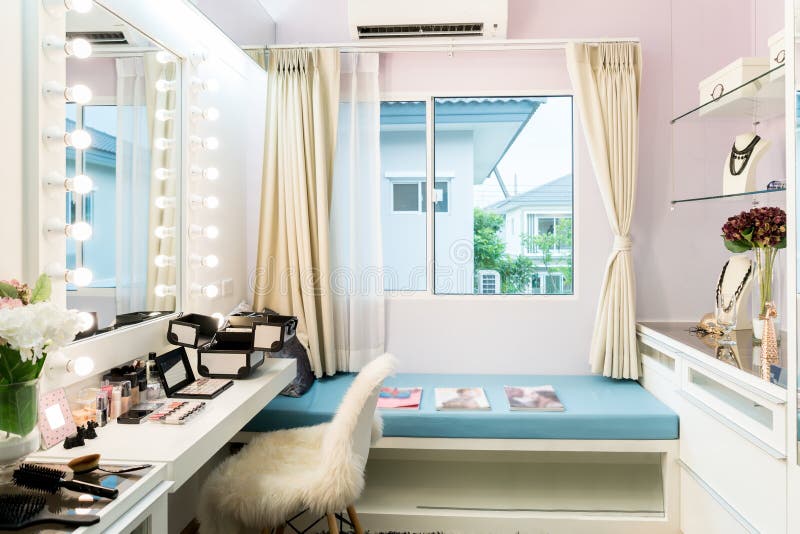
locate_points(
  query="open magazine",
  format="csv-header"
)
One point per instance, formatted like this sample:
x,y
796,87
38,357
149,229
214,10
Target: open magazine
x,y
461,399
400,398
536,398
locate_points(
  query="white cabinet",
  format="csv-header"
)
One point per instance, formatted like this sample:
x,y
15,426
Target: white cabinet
x,y
732,434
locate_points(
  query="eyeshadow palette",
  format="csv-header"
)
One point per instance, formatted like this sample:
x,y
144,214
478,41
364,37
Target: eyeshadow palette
x,y
177,412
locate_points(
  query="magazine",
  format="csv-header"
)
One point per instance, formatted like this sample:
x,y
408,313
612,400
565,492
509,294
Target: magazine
x,y
536,398
461,399
400,398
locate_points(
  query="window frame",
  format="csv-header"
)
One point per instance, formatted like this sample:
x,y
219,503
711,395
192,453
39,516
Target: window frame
x,y
578,144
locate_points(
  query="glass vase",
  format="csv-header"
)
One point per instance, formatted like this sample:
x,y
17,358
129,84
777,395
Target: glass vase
x,y
19,413
765,282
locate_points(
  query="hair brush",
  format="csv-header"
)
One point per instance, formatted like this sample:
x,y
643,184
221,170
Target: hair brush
x,y
18,511
50,480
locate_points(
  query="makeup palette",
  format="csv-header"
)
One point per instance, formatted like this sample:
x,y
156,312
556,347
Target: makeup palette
x,y
177,412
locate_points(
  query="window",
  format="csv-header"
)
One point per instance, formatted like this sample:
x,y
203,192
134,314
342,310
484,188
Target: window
x,y
411,197
507,163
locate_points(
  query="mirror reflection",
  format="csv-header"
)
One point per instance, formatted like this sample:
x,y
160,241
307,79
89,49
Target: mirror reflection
x,y
126,96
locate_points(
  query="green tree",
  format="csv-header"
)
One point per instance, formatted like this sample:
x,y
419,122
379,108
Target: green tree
x,y
490,253
547,243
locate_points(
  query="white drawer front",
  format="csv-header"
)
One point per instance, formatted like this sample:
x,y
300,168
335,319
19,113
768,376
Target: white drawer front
x,y
730,464
701,513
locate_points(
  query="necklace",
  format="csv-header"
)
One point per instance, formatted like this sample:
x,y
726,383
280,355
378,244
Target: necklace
x,y
741,156
742,283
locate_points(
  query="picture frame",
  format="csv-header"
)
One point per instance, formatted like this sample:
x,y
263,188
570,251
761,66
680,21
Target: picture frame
x,y
55,418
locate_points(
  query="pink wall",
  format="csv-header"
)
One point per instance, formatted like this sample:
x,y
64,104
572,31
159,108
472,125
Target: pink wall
x,y
99,73
677,254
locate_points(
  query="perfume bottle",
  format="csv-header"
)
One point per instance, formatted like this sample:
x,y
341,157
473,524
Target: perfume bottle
x,y
154,391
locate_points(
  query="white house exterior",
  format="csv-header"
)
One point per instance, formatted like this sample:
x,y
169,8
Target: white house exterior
x,y
471,137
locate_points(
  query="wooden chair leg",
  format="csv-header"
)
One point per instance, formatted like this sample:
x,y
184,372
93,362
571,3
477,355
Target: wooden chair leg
x,y
351,513
332,527
279,530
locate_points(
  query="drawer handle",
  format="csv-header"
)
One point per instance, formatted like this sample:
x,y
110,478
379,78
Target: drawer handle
x,y
719,498
717,92
780,57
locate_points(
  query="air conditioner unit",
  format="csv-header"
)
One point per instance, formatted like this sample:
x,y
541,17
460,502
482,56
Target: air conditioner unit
x,y
391,19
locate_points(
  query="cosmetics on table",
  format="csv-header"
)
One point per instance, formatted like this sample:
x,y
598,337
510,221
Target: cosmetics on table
x,y
101,401
125,397
116,402
133,378
177,412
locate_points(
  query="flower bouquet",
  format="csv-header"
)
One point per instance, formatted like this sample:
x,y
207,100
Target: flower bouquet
x,y
30,327
762,230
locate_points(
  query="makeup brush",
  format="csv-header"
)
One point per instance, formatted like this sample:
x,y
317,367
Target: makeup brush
x,y
49,479
18,511
90,462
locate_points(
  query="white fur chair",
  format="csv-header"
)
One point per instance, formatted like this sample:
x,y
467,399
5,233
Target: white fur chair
x,y
281,473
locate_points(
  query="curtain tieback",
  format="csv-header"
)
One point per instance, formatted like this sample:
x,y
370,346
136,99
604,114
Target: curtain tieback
x,y
622,242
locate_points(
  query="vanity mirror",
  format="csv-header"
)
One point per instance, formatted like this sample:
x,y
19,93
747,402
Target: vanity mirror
x,y
123,169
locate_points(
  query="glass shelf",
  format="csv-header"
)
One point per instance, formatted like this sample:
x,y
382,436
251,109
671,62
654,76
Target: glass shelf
x,y
761,97
715,197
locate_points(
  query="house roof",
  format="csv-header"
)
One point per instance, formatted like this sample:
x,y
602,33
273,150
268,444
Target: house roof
x,y
555,193
494,123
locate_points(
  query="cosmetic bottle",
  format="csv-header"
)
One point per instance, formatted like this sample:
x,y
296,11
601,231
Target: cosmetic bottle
x,y
153,379
133,378
116,402
125,397
102,408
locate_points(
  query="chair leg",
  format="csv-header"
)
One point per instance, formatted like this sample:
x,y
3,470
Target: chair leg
x,y
332,527
351,513
279,530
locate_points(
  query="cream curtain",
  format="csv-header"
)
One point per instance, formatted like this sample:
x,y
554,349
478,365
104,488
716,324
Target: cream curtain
x,y
293,261
356,244
606,81
167,159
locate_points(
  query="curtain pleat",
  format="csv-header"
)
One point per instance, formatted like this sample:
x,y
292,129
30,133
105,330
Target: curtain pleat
x,y
606,80
293,260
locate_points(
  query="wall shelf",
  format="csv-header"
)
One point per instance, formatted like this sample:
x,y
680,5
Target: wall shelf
x,y
761,97
716,197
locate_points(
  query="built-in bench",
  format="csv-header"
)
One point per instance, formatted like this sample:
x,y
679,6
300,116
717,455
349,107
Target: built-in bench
x,y
604,465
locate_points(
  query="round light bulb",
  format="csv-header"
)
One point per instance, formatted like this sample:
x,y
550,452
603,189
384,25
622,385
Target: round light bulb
x,y
163,260
79,277
163,232
78,93
81,366
79,48
162,143
211,202
211,114
211,143
163,290
78,6
162,85
211,85
211,261
211,291
211,173
78,139
164,57
164,115
163,203
211,232
79,231
85,321
220,319
80,184
162,174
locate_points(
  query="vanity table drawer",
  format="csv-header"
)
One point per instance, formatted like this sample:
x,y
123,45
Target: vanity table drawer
x,y
702,510
660,371
737,473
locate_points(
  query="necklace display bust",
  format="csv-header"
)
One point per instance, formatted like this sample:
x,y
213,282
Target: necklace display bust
x,y
739,175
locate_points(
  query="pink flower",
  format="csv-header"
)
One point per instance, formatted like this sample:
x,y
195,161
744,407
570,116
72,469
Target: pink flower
x,y
8,302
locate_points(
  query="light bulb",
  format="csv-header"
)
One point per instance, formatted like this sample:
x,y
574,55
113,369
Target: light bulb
x,y
163,260
211,143
163,203
79,48
163,290
211,232
164,115
80,184
79,231
85,321
79,277
210,261
162,143
164,57
57,7
78,139
78,93
210,114
163,232
163,86
220,319
209,173
210,202
162,174
210,291
81,366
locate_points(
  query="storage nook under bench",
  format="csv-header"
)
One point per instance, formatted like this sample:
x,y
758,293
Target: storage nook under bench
x,y
605,464
733,427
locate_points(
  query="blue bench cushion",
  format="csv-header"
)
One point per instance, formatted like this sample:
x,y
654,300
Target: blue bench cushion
x,y
595,408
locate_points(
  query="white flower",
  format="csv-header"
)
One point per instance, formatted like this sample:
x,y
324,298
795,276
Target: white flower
x,y
38,328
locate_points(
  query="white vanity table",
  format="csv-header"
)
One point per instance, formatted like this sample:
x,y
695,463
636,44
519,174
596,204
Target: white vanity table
x,y
733,454
178,451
